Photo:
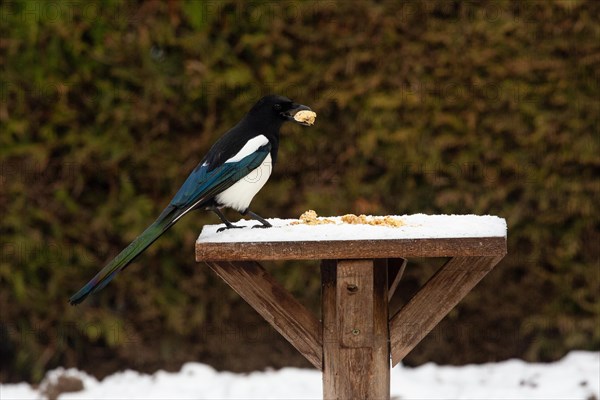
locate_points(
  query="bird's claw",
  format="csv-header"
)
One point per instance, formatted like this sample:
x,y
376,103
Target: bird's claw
x,y
224,228
262,226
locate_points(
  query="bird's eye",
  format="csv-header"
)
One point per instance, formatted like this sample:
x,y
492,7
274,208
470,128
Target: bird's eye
x,y
277,107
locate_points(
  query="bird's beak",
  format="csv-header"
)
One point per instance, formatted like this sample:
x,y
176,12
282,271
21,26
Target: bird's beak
x,y
289,114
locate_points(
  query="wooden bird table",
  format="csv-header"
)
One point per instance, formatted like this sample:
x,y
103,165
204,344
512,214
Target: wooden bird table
x,y
361,266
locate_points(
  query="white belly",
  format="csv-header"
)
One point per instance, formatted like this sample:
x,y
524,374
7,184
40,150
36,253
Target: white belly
x,y
241,193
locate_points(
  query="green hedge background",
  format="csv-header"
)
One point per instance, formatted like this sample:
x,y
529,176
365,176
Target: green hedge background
x,y
437,107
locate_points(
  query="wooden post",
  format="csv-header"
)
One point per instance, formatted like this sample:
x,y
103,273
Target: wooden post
x,y
356,352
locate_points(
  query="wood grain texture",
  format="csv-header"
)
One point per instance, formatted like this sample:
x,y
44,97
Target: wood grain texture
x,y
450,284
276,305
331,348
354,297
350,249
355,366
381,341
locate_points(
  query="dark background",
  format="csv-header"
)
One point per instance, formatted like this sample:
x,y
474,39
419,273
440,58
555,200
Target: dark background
x,y
436,107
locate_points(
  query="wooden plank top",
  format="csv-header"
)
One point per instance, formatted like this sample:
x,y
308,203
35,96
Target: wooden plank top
x,y
419,236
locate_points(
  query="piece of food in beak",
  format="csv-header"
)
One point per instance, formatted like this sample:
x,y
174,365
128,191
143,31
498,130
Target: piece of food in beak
x,y
305,116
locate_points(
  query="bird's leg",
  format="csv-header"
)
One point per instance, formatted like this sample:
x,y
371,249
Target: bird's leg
x,y
228,225
264,222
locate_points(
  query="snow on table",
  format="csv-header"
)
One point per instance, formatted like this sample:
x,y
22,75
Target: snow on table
x,y
419,236
417,226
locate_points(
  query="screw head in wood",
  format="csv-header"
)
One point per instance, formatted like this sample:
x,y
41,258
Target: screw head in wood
x,y
356,332
352,288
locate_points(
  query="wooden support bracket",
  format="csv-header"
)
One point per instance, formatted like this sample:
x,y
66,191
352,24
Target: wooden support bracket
x,y
275,304
396,267
453,281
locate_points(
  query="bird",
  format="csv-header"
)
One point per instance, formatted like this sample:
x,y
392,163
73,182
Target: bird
x,y
235,168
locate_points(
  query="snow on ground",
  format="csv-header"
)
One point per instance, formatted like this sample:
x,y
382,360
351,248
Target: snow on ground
x,y
577,376
417,226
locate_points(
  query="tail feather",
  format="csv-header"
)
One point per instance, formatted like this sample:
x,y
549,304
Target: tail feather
x,y
122,260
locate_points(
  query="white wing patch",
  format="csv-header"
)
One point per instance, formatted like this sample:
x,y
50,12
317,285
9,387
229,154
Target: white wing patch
x,y
250,147
239,195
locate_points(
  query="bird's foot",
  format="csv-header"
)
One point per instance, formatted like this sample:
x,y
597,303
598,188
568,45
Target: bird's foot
x,y
262,226
224,228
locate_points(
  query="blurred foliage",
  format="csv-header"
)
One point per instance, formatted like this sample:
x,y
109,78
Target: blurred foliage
x,y
433,107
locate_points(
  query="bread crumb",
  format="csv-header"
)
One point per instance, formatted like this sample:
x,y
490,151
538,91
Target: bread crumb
x,y
310,217
306,116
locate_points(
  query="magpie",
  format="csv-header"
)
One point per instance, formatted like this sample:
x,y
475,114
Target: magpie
x,y
235,168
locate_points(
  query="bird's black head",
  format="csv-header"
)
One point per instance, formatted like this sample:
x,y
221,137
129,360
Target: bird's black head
x,y
278,108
